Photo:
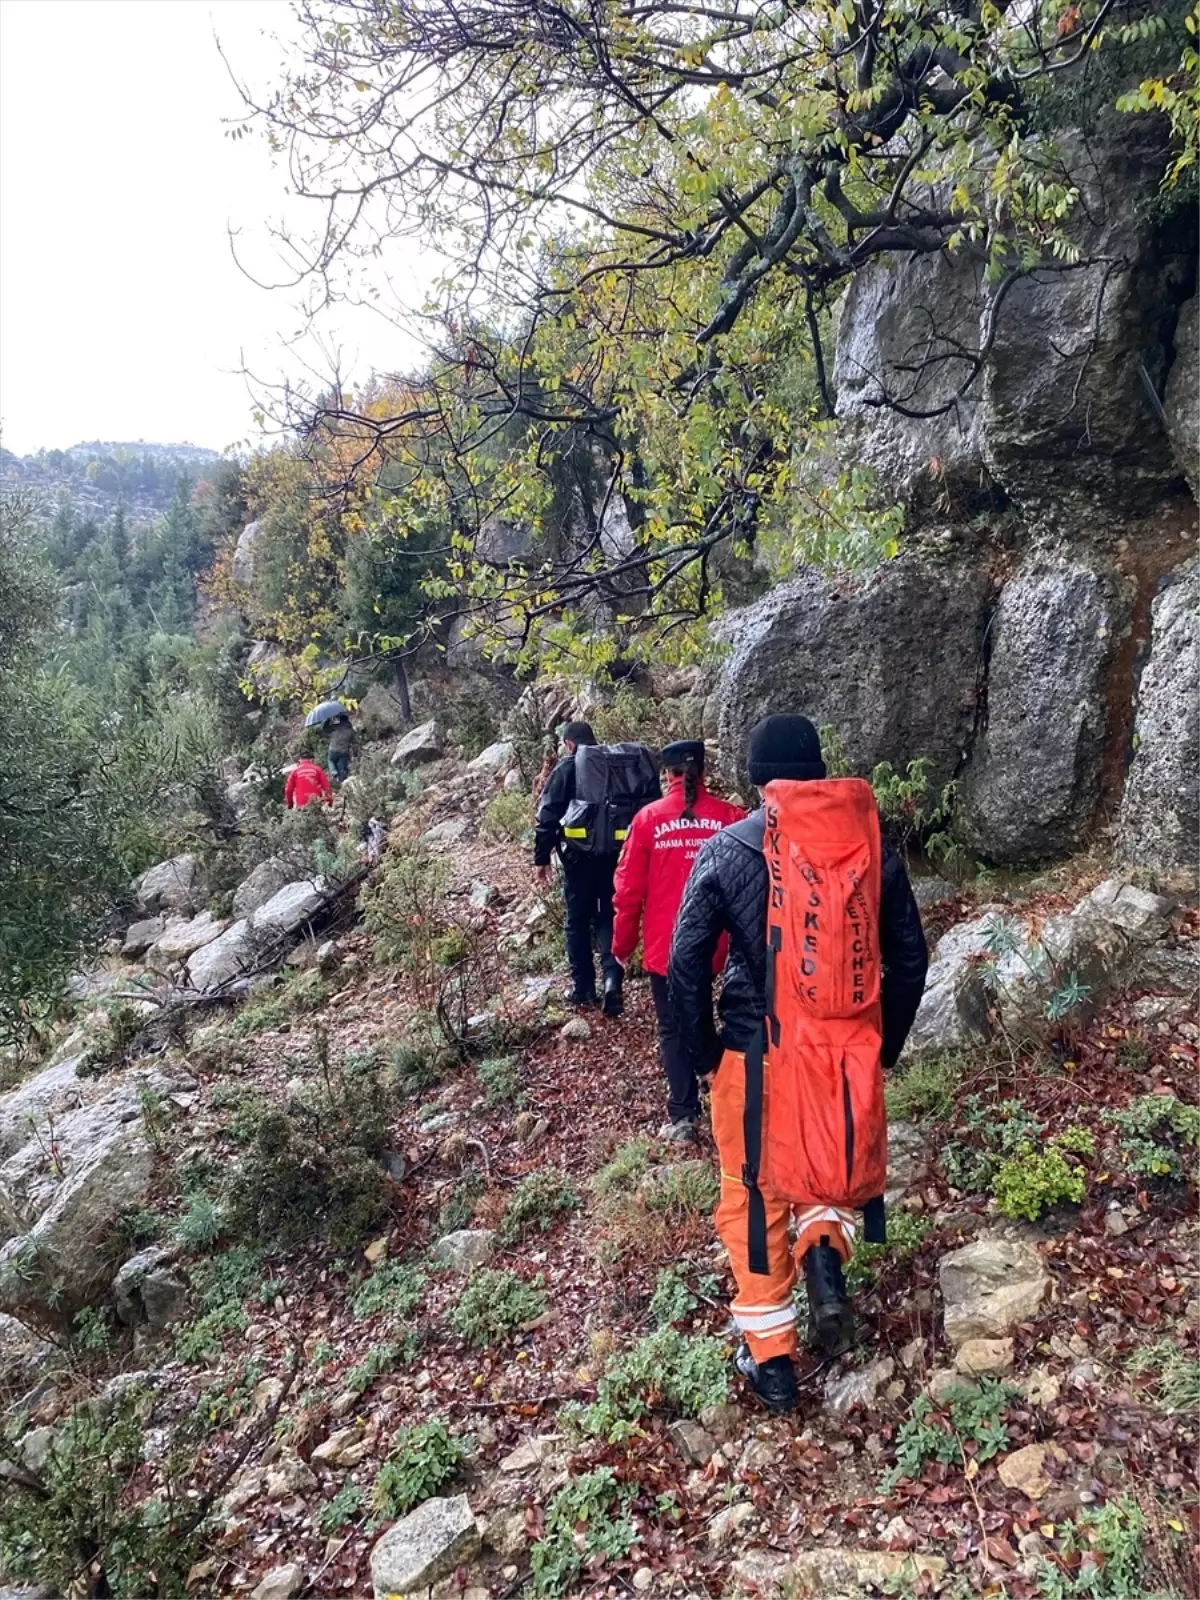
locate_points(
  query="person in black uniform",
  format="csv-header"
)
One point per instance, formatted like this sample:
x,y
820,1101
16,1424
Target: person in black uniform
x,y
587,882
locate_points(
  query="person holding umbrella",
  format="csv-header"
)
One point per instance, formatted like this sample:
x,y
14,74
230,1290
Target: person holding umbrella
x,y
341,735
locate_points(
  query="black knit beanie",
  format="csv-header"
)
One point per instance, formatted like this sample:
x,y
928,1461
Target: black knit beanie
x,y
579,733
784,747
683,751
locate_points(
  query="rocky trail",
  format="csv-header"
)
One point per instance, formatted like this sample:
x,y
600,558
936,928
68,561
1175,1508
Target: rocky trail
x,y
356,1312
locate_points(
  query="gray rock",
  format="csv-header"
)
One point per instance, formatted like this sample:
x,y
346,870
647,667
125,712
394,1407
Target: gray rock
x,y
426,1545
929,892
953,1013
988,1286
244,553
906,1154
419,746
1052,641
1182,398
288,1476
1082,946
444,834
170,886
379,713
469,1247
497,757
481,895
531,1453
693,1442
830,649
281,1583
139,936
24,1354
227,957
858,1388
979,1356
182,938
1169,969
146,1290
50,1089
835,1574
291,907
59,1222
1060,417
33,1448
576,1030
266,879
1160,813
1136,911
513,780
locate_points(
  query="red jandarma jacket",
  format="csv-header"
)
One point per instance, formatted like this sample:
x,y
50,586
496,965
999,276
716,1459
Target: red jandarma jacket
x,y
654,867
307,781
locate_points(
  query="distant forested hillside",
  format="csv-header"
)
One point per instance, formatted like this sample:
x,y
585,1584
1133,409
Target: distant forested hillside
x,y
98,475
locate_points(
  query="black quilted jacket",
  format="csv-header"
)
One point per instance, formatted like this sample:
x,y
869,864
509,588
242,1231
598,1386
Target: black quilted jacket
x,y
727,892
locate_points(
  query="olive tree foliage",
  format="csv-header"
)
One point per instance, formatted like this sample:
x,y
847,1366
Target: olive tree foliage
x,y
647,210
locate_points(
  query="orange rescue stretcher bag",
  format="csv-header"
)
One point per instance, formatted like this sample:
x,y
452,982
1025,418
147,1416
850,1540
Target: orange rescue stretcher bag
x,y
816,1127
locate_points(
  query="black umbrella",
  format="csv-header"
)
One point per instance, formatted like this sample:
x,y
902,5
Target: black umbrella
x,y
325,712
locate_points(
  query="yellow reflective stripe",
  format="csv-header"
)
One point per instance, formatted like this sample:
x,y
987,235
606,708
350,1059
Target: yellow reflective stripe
x,y
620,833
575,833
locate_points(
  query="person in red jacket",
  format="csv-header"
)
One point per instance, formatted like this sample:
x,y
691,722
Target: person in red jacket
x,y
307,781
664,840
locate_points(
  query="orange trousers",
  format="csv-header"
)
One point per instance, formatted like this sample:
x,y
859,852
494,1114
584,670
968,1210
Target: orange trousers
x,y
765,1307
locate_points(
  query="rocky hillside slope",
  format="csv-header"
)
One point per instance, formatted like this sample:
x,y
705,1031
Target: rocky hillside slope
x,y
368,1274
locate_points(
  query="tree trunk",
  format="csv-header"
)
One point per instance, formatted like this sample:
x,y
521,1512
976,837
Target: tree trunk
x,y
400,686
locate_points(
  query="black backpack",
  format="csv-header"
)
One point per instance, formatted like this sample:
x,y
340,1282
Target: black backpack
x,y
612,784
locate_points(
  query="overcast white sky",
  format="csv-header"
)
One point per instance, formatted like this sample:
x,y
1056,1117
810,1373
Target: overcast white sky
x,y
122,312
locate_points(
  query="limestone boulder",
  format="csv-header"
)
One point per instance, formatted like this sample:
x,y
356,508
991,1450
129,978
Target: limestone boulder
x,y
839,1574
890,661
421,745
182,937
953,1014
444,835
24,1354
291,907
1052,643
147,1290
989,1286
466,1248
379,713
173,885
140,935
244,554
496,758
227,957
53,1088
424,1547
857,1388
1159,824
62,1191
1182,399
264,880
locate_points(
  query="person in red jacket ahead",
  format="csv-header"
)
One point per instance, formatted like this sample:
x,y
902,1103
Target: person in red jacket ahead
x,y
664,840
307,781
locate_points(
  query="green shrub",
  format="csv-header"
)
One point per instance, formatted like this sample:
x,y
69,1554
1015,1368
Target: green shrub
x,y
405,909
316,1168
91,1331
984,1136
906,1233
628,1166
500,1079
1112,1542
338,1510
139,1226
88,1510
689,1188
383,1358
672,1300
221,1284
1156,1128
457,1210
1028,1184
665,1371
201,1223
536,1201
392,1288
449,948
975,1418
509,815
421,1460
926,1090
494,1304
299,993
113,1045
587,1518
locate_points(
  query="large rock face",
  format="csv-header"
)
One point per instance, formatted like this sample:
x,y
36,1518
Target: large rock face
x,y
1059,417
170,886
244,554
891,661
1160,814
1182,399
1032,786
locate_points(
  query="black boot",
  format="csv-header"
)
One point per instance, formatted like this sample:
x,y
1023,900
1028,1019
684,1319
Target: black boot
x,y
830,1318
774,1382
583,999
614,1000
